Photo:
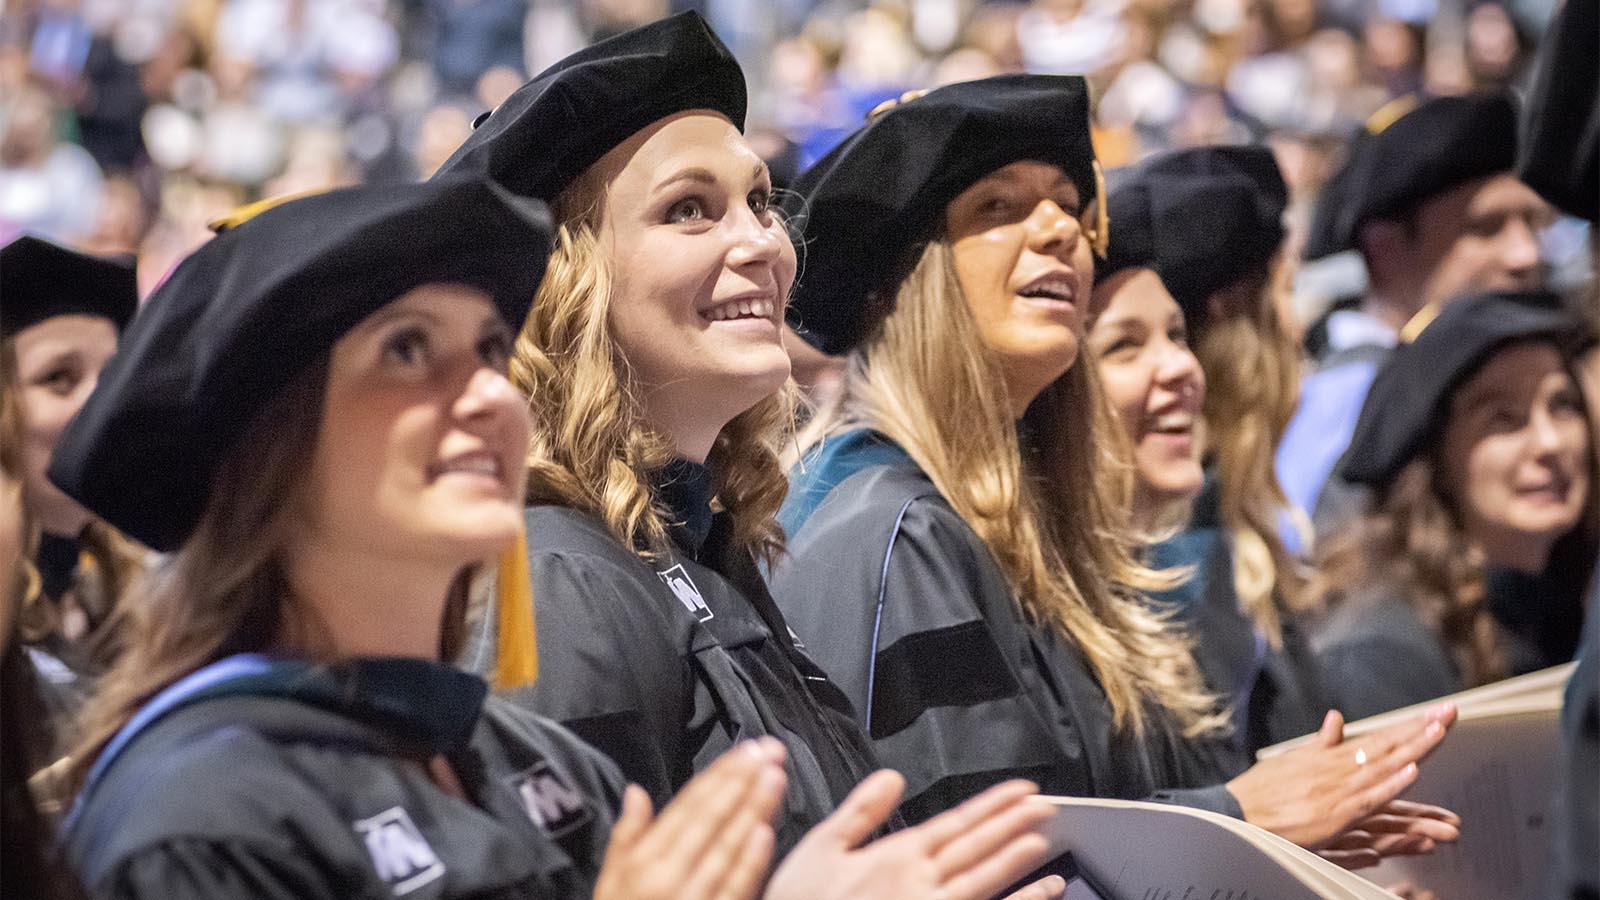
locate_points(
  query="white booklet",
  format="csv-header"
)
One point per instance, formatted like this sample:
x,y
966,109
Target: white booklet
x,y
1131,850
1497,769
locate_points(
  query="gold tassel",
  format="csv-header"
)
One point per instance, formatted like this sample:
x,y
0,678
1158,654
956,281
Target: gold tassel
x,y
1102,224
242,214
1423,318
517,646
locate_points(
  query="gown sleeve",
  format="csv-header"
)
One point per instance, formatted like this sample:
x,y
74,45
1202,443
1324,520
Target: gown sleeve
x,y
607,671
204,869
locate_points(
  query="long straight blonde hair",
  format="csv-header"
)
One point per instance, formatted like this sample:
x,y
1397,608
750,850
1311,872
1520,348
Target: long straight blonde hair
x,y
1252,368
1047,511
591,449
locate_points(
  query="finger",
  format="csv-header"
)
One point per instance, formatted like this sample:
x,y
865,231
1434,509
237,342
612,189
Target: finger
x,y
635,817
1404,845
1351,859
1004,824
1332,731
1421,811
1354,839
750,869
688,824
1047,888
1366,801
709,872
1384,823
948,825
863,810
1016,859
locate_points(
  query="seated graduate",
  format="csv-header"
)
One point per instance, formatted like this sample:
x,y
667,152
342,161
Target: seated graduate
x,y
312,415
61,317
1472,561
957,557
659,390
1206,225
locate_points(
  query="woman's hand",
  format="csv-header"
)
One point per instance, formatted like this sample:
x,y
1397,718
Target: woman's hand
x,y
967,853
1312,795
1401,828
712,842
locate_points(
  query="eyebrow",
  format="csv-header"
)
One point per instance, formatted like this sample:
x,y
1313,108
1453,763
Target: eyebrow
x,y
702,175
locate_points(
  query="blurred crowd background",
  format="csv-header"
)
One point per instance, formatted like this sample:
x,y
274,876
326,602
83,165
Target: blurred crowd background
x,y
125,125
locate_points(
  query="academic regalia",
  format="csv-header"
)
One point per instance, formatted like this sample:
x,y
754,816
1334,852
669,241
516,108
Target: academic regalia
x,y
270,777
664,664
903,604
1276,693
1377,652
1560,153
274,778
1407,152
1203,219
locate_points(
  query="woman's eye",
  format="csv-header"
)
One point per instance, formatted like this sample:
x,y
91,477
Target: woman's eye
x,y
760,201
1179,336
60,381
408,347
686,210
1122,346
495,351
994,206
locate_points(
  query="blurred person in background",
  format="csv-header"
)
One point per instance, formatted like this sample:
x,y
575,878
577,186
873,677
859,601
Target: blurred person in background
x,y
1471,562
1429,199
47,185
1208,223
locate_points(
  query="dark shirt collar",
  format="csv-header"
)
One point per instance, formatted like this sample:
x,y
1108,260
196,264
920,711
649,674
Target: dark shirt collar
x,y
684,489
430,705
57,561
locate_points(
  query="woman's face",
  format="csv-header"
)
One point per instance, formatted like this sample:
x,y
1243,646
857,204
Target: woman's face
x,y
1025,267
701,268
1153,380
58,364
1516,454
420,453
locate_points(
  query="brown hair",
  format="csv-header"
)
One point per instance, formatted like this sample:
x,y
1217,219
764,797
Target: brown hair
x,y
1049,512
1252,368
226,590
591,451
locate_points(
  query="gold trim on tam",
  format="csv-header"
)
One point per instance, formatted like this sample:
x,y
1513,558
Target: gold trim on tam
x,y
242,214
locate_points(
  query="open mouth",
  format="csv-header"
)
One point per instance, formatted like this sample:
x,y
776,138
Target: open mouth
x,y
1056,288
1172,424
733,310
479,463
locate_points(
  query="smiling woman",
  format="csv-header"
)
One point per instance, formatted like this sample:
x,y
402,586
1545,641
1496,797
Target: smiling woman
x,y
1472,562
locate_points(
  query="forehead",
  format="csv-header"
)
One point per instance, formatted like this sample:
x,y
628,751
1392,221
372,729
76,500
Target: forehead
x,y
1029,172
1519,365
1134,294
68,332
694,138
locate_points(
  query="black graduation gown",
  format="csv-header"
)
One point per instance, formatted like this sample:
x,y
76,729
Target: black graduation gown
x,y
665,664
276,779
1577,828
904,605
1276,693
1377,654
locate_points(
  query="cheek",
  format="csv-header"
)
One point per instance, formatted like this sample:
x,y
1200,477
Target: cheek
x,y
1126,388
983,265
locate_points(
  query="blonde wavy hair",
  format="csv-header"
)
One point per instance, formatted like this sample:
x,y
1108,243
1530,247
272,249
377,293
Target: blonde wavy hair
x,y
591,449
1050,512
1252,367
110,565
